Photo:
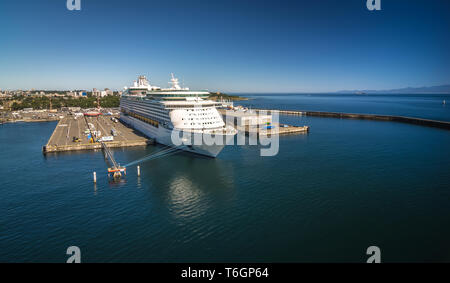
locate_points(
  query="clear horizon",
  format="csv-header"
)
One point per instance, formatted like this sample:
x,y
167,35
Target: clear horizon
x,y
235,46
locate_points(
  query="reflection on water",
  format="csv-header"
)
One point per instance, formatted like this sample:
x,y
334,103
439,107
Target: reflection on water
x,y
186,200
188,185
138,183
116,183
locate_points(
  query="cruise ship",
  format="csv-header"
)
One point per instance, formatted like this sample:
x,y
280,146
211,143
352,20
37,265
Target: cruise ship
x,y
159,113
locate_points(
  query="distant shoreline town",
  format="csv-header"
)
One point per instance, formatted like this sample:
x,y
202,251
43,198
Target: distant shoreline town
x,y
45,105
55,99
13,100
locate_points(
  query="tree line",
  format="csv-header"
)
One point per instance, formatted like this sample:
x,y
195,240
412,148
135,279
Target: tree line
x,y
67,101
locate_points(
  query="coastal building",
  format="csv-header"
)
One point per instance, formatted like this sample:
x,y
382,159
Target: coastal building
x,y
108,91
95,92
245,117
76,94
102,93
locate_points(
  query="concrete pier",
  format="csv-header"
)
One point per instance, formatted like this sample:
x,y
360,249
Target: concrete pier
x,y
252,122
68,128
278,129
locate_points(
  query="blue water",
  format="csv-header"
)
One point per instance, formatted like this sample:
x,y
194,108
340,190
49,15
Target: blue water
x,y
429,106
326,196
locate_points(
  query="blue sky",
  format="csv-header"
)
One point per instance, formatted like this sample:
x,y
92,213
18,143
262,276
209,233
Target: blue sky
x,y
230,46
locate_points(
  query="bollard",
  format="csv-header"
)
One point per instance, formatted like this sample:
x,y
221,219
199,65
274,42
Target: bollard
x,y
95,177
138,171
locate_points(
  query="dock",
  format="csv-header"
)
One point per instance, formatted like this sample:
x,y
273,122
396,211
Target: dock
x,y
251,122
277,129
70,135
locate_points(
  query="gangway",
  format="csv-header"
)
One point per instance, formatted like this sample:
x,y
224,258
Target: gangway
x,y
116,170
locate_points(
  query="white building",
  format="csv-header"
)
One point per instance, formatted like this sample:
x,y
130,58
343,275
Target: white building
x,y
245,117
101,93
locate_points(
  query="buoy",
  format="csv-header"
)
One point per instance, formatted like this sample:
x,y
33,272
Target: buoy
x,y
138,171
95,177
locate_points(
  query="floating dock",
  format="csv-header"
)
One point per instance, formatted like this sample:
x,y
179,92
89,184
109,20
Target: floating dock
x,y
70,134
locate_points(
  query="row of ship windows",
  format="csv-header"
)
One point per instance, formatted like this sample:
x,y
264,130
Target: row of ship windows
x,y
200,108
200,114
152,108
204,123
207,118
151,104
152,113
147,108
144,105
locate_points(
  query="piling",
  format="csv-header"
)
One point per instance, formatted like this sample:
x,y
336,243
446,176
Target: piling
x,y
95,177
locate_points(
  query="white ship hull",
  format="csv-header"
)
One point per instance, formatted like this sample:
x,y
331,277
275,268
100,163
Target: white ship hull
x,y
163,136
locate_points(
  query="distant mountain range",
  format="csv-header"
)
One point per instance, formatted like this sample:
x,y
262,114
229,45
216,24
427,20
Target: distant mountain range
x,y
423,90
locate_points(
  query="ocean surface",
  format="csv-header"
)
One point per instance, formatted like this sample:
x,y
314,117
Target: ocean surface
x,y
325,197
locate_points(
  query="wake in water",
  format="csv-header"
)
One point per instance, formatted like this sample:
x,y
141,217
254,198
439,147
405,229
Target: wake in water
x,y
167,151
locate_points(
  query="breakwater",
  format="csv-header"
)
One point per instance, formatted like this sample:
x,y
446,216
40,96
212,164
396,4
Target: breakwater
x,y
402,119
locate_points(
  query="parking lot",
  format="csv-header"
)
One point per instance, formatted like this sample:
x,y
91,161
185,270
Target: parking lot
x,y
72,133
